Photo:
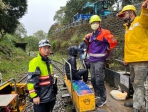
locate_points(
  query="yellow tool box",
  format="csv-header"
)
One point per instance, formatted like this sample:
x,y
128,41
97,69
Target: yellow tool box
x,y
82,96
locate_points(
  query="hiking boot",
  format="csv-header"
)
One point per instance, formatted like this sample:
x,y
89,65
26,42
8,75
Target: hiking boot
x,y
135,110
128,104
100,103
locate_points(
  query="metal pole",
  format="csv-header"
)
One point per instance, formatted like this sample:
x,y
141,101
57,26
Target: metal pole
x,y
70,78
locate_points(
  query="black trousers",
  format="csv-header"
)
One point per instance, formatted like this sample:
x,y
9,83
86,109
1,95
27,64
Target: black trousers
x,y
84,73
44,107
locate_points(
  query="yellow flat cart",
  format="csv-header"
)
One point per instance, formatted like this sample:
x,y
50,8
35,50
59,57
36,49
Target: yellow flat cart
x,y
84,102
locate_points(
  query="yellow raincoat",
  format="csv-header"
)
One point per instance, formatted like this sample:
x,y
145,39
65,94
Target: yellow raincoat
x,y
136,39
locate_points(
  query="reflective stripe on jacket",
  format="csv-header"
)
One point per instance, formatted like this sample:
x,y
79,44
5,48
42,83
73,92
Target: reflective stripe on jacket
x,y
136,39
40,79
98,55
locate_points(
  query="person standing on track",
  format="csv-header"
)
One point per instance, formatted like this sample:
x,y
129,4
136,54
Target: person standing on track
x,y
100,43
40,79
136,50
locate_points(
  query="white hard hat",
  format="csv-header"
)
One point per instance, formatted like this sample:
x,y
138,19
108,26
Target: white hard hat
x,y
44,42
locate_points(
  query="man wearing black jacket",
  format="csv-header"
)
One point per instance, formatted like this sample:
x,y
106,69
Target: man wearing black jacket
x,y
40,79
76,74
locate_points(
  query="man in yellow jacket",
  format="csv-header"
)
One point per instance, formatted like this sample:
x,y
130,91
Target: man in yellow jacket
x,y
40,79
136,50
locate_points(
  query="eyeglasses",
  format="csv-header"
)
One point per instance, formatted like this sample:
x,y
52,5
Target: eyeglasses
x,y
125,13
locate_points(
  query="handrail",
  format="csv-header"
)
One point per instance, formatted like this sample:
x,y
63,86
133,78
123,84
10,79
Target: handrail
x,y
70,78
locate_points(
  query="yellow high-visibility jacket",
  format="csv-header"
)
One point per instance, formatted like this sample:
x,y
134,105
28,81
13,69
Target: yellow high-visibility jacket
x,y
136,39
40,80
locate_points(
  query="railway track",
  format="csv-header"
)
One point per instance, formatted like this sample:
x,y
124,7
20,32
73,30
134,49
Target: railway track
x,y
61,103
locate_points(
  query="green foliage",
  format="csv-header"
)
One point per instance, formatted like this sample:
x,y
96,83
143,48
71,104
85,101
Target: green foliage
x,y
40,35
56,45
72,7
54,28
60,44
14,66
9,20
76,39
53,44
13,61
59,14
9,39
125,2
66,14
65,44
32,43
58,56
2,6
20,31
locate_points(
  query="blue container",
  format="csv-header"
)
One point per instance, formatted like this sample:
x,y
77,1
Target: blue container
x,y
80,87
